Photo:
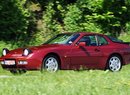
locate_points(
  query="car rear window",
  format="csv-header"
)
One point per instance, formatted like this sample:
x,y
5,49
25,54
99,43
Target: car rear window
x,y
115,39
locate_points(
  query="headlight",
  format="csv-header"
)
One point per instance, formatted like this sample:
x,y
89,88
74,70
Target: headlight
x,y
5,51
26,52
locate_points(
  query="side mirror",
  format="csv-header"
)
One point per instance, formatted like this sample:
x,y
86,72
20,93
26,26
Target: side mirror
x,y
82,44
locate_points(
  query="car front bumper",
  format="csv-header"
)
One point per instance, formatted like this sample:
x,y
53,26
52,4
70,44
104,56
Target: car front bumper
x,y
12,63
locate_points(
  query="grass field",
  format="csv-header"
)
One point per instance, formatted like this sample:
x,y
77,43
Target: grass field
x,y
86,82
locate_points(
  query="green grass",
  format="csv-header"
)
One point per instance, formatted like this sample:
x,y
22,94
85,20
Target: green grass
x,y
86,82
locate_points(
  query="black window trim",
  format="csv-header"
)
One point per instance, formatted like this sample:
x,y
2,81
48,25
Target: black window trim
x,y
104,38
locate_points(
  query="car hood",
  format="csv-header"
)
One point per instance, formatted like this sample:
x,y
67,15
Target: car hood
x,y
19,51
44,46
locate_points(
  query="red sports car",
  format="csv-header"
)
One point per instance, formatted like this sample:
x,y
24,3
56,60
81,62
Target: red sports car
x,y
70,51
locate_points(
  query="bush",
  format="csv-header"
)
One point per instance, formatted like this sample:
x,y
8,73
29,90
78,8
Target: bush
x,y
14,19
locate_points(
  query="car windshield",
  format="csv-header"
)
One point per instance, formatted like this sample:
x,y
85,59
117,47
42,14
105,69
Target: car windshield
x,y
63,39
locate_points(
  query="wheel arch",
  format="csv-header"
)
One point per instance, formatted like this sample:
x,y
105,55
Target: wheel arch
x,y
117,68
55,54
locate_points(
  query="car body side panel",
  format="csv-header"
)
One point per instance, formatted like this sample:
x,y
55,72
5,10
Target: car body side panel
x,y
87,56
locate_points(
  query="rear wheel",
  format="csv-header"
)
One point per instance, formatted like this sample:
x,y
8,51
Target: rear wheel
x,y
114,63
51,63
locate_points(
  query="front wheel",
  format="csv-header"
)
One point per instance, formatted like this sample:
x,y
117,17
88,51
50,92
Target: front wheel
x,y
114,63
51,63
14,71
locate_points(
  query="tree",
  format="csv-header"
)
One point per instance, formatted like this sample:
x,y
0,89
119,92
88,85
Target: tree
x,y
14,19
116,15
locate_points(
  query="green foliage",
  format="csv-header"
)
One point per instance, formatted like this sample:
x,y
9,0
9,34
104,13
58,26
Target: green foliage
x,y
82,16
72,19
128,27
118,11
110,15
13,23
29,22
90,6
49,18
41,36
91,27
125,37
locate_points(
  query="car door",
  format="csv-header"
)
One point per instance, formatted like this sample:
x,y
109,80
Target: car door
x,y
88,55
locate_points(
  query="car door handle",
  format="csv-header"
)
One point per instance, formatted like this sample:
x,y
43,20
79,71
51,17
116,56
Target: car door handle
x,y
97,50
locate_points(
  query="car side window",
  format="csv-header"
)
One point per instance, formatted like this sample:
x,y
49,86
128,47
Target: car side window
x,y
73,38
89,40
102,41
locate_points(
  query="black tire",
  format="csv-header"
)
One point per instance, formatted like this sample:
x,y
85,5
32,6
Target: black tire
x,y
51,63
17,71
22,71
14,71
114,63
